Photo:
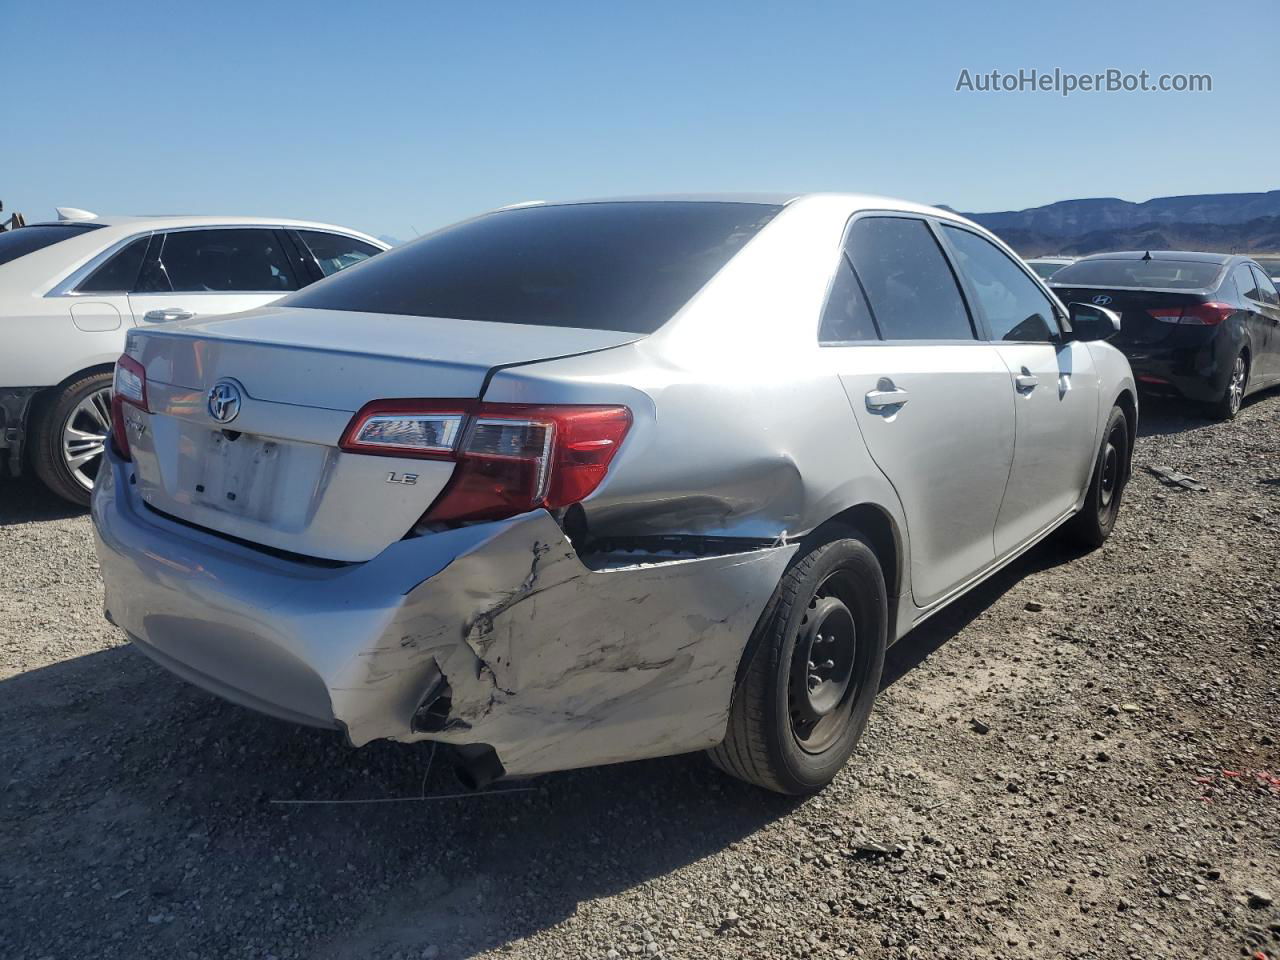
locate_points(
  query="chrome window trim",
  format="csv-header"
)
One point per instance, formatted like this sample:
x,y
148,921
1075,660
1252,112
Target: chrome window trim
x,y
66,286
215,293
1057,307
928,221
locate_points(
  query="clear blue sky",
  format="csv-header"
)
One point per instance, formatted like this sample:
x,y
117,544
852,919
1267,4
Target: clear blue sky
x,y
390,116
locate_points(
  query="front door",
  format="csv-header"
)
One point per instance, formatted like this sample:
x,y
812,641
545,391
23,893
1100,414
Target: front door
x,y
1054,386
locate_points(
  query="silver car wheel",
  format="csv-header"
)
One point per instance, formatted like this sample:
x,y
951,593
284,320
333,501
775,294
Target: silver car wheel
x,y
1235,389
84,437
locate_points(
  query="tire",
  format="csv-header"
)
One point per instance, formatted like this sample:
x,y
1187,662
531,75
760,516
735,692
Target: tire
x,y
1097,518
69,432
773,740
1228,405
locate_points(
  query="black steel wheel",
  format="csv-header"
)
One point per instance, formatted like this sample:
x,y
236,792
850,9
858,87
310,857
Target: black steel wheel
x,y
811,671
1097,518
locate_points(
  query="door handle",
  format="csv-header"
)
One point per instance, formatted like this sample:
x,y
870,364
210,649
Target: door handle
x,y
1026,381
880,399
168,315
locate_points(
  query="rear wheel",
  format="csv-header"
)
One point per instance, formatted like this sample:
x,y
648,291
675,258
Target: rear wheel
x,y
1095,521
1229,405
815,662
70,433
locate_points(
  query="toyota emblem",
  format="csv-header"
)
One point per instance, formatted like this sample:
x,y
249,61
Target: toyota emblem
x,y
224,401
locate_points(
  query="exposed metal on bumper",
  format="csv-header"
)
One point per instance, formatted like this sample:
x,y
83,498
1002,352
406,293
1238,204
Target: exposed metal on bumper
x,y
552,664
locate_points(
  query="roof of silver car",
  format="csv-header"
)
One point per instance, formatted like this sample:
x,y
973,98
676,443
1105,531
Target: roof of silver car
x,y
861,201
773,199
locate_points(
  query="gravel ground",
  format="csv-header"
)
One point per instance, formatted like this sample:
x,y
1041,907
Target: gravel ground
x,y
1076,760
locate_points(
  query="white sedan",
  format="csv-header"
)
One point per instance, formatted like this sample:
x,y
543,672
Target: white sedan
x,y
70,289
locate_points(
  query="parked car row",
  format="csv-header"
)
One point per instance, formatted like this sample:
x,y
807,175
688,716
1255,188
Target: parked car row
x,y
1202,326
70,290
571,484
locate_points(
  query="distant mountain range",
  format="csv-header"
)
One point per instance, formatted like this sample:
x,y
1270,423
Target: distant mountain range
x,y
1222,222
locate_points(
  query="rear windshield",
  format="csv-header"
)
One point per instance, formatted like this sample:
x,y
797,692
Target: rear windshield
x,y
1044,270
624,266
18,243
1149,274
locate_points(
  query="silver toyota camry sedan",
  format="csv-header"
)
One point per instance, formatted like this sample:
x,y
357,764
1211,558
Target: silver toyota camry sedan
x,y
572,484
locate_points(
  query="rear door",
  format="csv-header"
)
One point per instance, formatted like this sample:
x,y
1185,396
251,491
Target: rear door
x,y
210,271
931,399
1054,383
100,302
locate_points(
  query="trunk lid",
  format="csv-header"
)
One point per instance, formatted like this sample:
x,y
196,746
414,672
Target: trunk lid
x,y
273,475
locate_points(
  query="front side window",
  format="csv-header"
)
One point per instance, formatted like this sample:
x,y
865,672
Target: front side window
x,y
1016,308
909,286
1247,283
243,260
1266,289
120,272
334,252
626,265
846,316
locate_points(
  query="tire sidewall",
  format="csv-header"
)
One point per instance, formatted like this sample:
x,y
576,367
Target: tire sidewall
x,y
48,423
1223,407
1105,527
803,771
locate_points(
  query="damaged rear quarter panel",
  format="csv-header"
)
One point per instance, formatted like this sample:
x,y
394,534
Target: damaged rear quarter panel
x,y
559,666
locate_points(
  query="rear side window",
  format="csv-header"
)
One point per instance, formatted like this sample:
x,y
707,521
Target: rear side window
x,y
120,273
217,261
846,316
23,240
1266,288
1140,274
1014,307
909,286
626,266
334,252
1246,282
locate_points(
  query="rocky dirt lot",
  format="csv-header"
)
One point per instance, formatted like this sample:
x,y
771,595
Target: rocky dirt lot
x,y
1077,760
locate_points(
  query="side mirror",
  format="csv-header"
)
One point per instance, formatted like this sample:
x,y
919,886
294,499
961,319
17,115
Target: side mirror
x,y
1090,322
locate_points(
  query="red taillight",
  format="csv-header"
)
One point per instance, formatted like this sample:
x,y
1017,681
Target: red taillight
x,y
511,457
1195,314
129,386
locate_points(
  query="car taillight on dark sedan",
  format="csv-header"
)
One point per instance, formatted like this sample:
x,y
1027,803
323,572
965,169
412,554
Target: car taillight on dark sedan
x,y
511,458
1194,314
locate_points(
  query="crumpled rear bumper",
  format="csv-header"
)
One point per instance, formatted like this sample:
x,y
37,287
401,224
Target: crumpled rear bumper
x,y
551,663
